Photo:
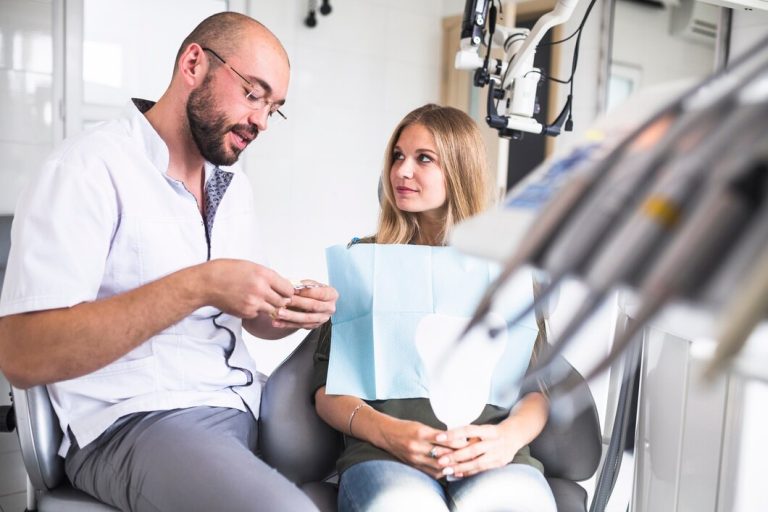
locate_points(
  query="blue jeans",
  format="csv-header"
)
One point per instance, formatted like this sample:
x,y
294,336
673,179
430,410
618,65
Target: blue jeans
x,y
385,486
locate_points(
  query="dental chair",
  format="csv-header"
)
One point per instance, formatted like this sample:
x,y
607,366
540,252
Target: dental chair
x,y
295,441
48,489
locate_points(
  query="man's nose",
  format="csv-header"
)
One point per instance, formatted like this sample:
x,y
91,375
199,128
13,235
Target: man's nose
x,y
259,118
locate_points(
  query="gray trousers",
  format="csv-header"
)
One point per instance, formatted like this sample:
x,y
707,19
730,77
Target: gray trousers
x,y
183,460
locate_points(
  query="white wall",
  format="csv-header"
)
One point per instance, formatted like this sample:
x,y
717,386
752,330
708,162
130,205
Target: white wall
x,y
354,76
642,38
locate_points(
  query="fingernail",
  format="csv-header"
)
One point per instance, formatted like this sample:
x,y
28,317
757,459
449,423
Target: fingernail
x,y
441,437
448,471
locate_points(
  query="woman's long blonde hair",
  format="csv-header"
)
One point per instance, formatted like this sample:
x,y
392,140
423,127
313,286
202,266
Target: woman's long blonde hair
x,y
461,152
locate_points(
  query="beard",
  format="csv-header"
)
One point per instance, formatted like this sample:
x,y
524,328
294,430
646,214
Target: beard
x,y
209,126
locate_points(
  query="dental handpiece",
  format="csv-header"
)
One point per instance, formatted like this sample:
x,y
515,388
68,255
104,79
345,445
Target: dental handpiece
x,y
695,251
557,211
740,316
540,232
631,248
716,89
718,291
628,251
661,166
702,116
589,227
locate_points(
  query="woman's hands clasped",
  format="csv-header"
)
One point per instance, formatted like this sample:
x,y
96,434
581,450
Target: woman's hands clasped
x,y
415,444
460,452
477,448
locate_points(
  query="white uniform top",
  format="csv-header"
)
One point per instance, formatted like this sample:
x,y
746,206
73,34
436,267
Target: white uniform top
x,y
102,217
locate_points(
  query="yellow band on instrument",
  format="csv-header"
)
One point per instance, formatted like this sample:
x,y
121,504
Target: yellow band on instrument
x,y
662,210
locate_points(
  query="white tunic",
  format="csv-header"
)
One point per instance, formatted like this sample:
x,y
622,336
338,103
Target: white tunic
x,y
102,217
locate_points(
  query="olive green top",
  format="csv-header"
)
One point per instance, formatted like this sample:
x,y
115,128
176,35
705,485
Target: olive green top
x,y
414,409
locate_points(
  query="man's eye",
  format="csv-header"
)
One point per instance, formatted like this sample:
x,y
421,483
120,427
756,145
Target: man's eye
x,y
256,96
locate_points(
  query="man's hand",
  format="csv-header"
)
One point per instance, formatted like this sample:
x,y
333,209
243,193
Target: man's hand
x,y
309,307
245,289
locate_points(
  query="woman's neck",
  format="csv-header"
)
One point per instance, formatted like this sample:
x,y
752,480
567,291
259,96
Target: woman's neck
x,y
431,228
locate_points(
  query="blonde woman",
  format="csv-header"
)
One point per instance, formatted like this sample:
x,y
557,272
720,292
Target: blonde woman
x,y
398,454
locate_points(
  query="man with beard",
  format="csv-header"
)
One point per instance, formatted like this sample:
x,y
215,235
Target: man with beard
x,y
132,273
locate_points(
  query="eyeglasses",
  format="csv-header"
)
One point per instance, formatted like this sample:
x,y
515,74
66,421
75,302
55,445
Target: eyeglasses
x,y
255,95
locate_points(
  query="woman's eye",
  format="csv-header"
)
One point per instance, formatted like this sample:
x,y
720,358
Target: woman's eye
x,y
398,155
424,159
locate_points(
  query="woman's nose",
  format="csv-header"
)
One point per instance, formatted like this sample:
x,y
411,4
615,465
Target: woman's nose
x,y
405,169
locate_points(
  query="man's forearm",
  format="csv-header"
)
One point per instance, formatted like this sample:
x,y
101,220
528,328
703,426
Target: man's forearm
x,y
54,345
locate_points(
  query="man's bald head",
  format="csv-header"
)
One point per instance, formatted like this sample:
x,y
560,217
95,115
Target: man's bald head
x,y
226,32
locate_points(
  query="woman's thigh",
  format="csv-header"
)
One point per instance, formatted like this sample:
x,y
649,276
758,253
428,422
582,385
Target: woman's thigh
x,y
387,486
512,488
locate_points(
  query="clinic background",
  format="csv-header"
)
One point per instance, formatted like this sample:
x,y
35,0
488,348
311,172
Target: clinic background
x,y
315,175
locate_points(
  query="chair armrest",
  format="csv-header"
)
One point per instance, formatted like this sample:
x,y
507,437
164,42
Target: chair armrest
x,y
292,438
39,436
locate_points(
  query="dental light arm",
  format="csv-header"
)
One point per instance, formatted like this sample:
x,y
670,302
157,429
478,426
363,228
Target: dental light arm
x,y
513,79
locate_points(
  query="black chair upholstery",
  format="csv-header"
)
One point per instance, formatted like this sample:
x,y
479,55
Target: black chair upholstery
x,y
295,441
570,450
292,437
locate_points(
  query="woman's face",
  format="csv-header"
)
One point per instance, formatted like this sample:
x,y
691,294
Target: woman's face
x,y
417,179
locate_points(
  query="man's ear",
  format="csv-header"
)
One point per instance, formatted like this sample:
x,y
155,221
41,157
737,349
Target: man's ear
x,y
193,64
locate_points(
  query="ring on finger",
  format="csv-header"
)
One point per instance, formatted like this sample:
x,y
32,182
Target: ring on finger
x,y
432,453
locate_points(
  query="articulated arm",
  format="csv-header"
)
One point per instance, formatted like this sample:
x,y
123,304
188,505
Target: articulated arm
x,y
512,79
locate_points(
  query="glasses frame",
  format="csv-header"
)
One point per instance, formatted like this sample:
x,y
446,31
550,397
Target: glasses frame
x,y
252,87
